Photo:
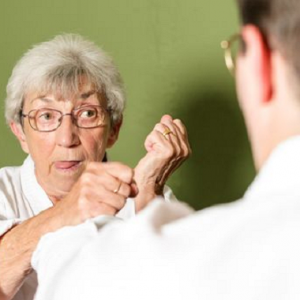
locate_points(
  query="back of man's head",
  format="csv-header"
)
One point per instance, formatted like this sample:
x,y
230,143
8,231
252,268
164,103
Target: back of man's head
x,y
279,22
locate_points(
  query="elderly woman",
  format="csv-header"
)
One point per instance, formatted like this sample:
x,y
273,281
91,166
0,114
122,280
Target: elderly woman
x,y
64,104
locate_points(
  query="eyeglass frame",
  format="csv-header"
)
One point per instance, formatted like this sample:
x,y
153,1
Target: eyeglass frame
x,y
73,117
226,46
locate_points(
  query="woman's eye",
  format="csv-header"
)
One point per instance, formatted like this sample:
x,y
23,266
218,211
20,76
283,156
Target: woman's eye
x,y
87,114
46,116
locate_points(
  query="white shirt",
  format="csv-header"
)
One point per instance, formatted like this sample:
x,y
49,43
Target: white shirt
x,y
21,197
249,249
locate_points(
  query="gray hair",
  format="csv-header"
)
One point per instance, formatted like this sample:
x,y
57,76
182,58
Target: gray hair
x,y
57,66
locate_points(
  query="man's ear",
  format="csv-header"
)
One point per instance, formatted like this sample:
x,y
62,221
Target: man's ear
x,y
259,58
17,130
114,133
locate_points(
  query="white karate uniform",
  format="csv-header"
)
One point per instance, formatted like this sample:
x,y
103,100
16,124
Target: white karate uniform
x,y
249,249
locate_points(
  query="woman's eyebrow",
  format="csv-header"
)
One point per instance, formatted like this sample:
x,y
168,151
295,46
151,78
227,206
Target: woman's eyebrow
x,y
41,98
86,95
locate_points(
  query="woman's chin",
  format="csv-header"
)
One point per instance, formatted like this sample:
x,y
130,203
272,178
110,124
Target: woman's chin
x,y
62,178
60,190
61,186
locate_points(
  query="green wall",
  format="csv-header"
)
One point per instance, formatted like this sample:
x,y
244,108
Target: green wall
x,y
169,56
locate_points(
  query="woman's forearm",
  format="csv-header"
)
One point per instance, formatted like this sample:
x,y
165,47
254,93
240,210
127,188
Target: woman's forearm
x,y
16,248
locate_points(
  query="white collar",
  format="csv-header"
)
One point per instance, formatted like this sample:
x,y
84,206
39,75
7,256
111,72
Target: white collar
x,y
280,175
33,192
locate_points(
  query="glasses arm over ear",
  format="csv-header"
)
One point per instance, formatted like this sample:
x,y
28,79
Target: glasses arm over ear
x,y
227,47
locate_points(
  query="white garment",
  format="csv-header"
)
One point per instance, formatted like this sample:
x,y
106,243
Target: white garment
x,y
249,249
21,197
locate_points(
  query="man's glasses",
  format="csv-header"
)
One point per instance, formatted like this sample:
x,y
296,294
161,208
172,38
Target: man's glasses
x,y
231,49
48,119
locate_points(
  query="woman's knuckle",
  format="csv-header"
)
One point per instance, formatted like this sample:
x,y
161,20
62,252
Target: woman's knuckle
x,y
85,178
120,203
104,209
127,175
127,190
185,152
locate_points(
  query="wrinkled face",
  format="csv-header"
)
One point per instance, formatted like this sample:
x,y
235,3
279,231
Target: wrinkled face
x,y
61,156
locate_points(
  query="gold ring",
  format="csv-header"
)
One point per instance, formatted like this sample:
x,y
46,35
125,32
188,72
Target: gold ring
x,y
167,131
118,188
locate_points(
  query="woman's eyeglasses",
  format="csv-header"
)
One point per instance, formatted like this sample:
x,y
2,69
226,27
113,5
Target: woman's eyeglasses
x,y
48,119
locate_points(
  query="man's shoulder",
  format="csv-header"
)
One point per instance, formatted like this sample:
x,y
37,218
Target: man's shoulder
x,y
244,218
238,235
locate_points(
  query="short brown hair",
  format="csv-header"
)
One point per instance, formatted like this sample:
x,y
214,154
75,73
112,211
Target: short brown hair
x,y
279,22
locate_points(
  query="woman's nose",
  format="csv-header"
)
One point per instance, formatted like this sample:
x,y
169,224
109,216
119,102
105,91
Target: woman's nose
x,y
67,132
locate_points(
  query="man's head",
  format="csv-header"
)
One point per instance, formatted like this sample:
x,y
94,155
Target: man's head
x,y
279,23
64,104
268,73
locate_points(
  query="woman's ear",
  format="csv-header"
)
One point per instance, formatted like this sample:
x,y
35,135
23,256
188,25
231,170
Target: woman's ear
x,y
114,133
18,131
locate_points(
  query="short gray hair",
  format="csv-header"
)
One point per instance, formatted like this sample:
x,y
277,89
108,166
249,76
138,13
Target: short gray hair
x,y
56,66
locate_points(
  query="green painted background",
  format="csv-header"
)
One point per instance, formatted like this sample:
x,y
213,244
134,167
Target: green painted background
x,y
169,56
